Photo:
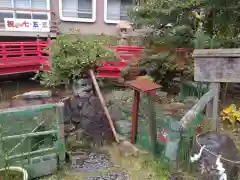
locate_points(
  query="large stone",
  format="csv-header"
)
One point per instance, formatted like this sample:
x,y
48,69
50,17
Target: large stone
x,y
96,104
76,120
116,113
84,122
82,85
86,112
124,127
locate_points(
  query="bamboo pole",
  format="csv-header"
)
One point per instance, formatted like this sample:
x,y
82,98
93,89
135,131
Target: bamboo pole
x,y
104,105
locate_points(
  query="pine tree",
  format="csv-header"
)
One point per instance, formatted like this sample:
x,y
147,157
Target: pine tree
x,y
185,24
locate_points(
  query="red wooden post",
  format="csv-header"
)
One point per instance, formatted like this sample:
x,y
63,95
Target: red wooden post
x,y
135,111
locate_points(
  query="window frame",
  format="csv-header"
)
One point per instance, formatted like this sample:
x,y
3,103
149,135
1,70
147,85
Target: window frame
x,y
48,9
73,19
106,20
28,12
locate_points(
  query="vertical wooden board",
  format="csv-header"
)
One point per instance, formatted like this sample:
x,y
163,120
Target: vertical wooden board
x,y
215,107
152,124
60,134
217,69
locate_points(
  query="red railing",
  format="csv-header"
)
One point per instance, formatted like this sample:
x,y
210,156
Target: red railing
x,y
21,57
126,54
129,55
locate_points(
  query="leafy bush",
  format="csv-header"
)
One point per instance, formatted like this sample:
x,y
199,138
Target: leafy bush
x,y
72,57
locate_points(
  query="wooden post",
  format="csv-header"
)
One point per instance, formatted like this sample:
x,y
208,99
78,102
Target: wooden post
x,y
60,134
135,116
215,120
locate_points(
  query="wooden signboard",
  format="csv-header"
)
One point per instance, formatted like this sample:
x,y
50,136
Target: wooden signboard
x,y
217,65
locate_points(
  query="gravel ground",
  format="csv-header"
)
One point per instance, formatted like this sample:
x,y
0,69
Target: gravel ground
x,y
111,176
95,162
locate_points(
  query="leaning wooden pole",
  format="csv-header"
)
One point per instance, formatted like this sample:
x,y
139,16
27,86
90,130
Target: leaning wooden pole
x,y
96,86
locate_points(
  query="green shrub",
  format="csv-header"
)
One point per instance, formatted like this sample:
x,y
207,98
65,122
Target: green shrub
x,y
72,57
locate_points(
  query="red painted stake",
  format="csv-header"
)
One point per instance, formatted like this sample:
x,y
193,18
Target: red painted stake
x,y
135,115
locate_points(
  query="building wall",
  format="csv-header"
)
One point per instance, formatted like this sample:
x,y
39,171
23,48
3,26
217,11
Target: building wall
x,y
97,27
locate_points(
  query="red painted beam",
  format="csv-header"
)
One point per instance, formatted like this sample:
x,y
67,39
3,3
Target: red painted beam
x,y
110,68
108,74
23,64
23,69
135,111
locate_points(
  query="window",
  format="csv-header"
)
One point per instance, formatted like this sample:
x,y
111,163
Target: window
x,y
78,10
116,10
26,4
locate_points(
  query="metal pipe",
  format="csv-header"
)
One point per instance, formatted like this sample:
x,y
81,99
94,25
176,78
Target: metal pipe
x,y
29,135
35,108
199,106
31,153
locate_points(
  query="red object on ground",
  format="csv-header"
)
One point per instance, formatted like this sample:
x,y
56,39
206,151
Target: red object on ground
x,y
126,55
21,57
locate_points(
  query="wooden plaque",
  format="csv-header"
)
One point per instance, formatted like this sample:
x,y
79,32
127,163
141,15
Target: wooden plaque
x,y
217,65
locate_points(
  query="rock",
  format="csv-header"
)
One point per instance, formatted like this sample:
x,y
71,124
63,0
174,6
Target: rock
x,y
115,112
96,104
79,134
77,158
86,112
76,119
84,122
111,176
81,86
126,148
124,127
68,128
95,162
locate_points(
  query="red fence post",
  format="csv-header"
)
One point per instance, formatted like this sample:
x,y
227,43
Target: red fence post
x,y
49,42
135,112
4,52
39,51
22,49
